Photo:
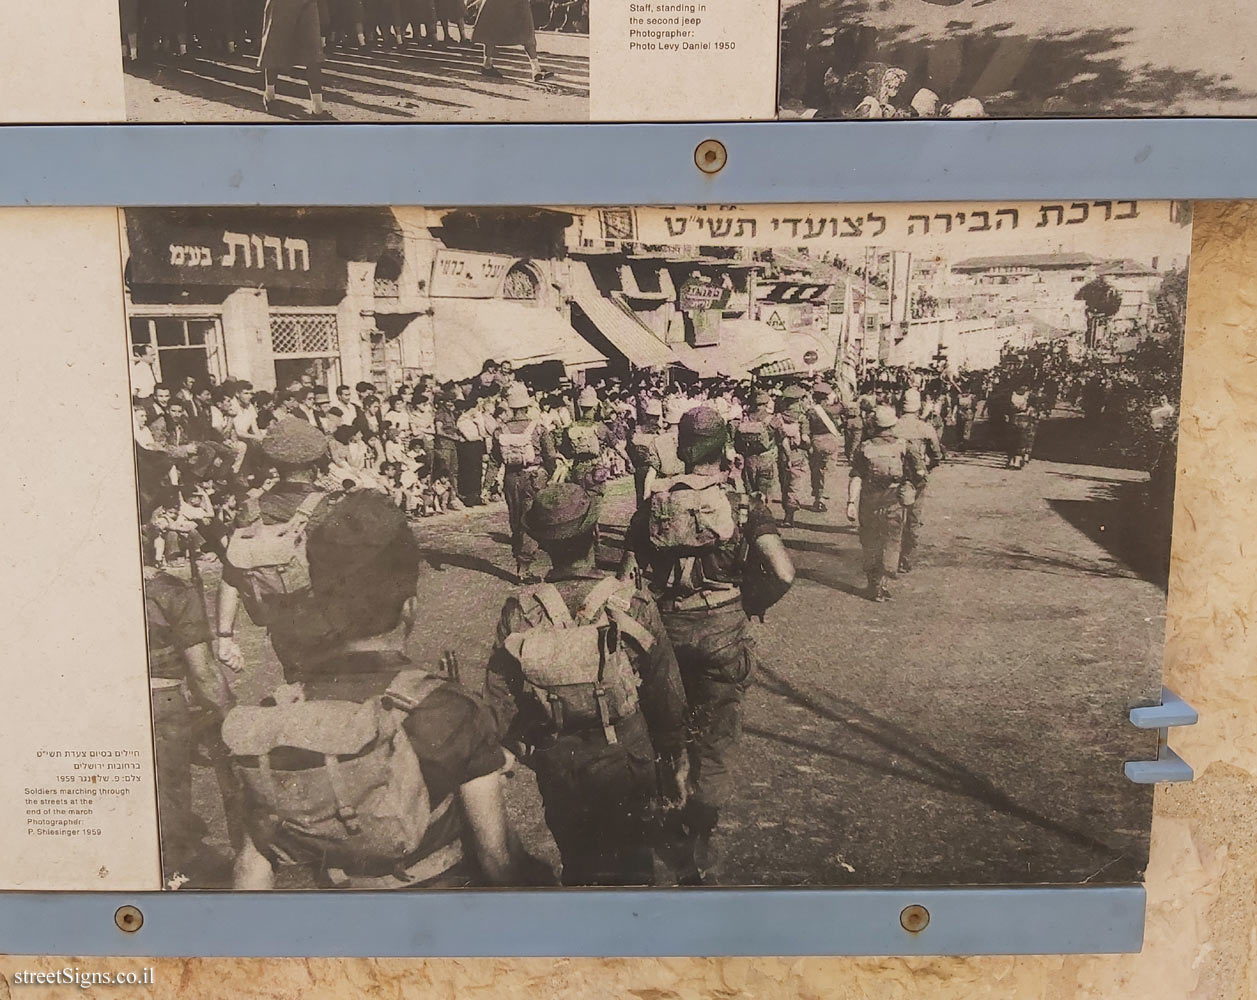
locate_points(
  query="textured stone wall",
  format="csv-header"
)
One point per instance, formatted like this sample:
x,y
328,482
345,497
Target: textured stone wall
x,y
1202,919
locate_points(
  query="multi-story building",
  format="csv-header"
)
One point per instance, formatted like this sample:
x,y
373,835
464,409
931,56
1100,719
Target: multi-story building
x,y
349,295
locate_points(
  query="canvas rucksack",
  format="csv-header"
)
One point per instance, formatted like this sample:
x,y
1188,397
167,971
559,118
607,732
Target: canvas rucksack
x,y
753,436
360,806
271,559
583,439
690,514
517,447
643,448
791,431
884,458
821,422
577,666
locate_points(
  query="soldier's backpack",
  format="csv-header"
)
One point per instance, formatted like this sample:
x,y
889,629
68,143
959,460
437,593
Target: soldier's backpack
x,y
583,440
517,447
643,449
577,666
753,436
691,516
337,783
884,459
822,423
271,559
791,431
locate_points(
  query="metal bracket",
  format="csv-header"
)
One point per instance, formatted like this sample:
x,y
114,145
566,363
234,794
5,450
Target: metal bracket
x,y
1168,766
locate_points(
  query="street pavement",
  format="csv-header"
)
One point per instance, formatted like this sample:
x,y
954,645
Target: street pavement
x,y
971,730
380,85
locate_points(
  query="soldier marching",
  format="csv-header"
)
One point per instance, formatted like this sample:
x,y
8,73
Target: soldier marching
x,y
619,669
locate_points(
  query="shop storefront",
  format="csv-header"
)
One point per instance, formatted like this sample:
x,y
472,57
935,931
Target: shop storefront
x,y
223,295
495,307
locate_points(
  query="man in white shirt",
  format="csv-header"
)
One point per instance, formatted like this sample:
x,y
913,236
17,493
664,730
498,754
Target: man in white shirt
x,y
245,418
350,412
422,416
300,406
397,415
144,372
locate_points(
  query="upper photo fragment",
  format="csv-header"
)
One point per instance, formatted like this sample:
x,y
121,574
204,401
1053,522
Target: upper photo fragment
x,y
356,60
1016,59
382,61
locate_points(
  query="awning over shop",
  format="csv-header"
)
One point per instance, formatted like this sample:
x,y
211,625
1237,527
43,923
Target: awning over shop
x,y
616,322
469,331
748,346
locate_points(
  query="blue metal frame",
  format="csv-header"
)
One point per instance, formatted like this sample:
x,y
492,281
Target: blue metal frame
x,y
1169,766
779,162
579,923
346,165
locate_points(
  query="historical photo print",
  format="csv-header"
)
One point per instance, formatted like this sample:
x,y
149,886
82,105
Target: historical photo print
x,y
1015,59
720,546
355,60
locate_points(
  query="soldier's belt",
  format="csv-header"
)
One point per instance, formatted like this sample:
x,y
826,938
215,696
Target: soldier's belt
x,y
705,600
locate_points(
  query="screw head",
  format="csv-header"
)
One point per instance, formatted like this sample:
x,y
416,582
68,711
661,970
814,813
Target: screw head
x,y
129,919
711,156
914,919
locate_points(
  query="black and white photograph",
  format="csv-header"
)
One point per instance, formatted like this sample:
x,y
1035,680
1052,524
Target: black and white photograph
x,y
355,60
712,546
1015,59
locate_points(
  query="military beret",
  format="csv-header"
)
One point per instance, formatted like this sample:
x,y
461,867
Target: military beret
x,y
294,442
885,416
565,510
701,435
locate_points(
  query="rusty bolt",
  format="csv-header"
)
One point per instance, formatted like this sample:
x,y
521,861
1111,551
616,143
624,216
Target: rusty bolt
x,y
128,919
711,156
914,918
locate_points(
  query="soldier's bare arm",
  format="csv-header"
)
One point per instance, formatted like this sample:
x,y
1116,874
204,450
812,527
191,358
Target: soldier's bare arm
x,y
662,693
776,560
545,449
503,681
225,647
485,812
915,467
250,870
206,683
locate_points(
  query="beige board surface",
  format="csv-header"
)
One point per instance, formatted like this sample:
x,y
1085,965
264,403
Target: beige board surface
x,y
660,60
1204,861
60,62
77,786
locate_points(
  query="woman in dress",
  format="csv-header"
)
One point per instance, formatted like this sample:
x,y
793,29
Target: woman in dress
x,y
292,36
449,13
173,16
508,22
129,19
